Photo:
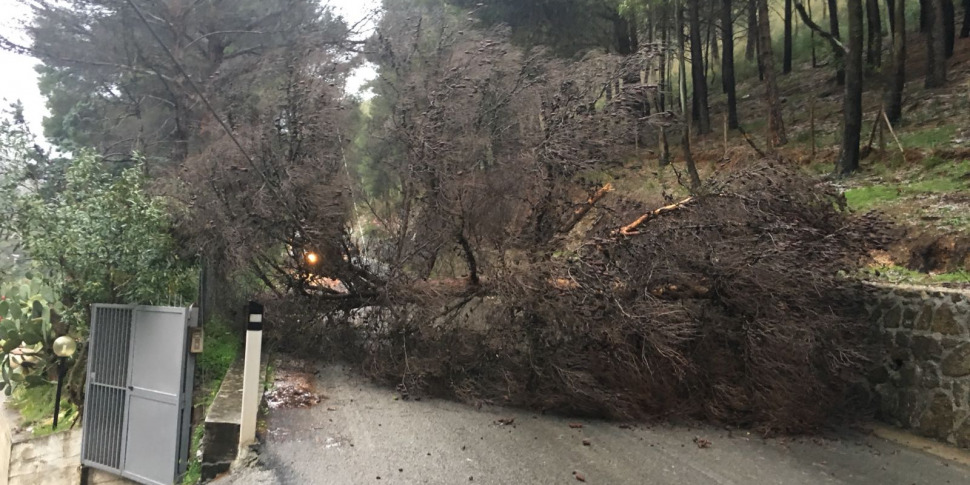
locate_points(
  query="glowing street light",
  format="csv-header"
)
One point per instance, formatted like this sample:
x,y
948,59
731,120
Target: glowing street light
x,y
312,258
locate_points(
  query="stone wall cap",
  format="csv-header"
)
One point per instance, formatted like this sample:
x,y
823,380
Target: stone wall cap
x,y
917,288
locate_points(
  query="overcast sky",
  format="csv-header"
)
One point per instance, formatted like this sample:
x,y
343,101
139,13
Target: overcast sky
x,y
20,79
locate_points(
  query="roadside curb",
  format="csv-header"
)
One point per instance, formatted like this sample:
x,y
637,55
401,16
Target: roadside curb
x,y
926,445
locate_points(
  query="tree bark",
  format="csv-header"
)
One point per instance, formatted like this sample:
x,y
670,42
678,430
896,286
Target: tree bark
x,y
874,40
897,81
766,58
925,15
852,103
626,41
786,57
949,27
965,31
697,69
470,260
664,61
727,62
682,58
891,16
751,49
935,46
834,30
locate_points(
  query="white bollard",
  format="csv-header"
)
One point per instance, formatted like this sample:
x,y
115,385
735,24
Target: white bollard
x,y
251,385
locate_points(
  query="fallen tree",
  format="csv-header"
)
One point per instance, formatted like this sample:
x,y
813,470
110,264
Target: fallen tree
x,y
729,308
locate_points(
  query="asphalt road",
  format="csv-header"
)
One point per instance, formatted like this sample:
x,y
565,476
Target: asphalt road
x,y
360,434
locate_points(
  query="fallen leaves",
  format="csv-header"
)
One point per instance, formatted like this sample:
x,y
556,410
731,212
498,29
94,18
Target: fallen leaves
x,y
504,421
702,443
575,425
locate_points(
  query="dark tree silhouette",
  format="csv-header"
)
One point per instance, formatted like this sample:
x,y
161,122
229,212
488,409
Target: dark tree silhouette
x,y
766,58
897,81
727,62
786,56
935,45
852,104
700,107
874,39
838,54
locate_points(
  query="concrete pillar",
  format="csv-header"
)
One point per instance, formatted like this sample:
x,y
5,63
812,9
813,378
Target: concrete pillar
x,y
251,385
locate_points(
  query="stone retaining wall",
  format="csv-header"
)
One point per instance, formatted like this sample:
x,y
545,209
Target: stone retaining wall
x,y
54,459
923,380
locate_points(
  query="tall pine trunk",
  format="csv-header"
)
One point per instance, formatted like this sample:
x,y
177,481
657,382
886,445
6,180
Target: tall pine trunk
x,y
727,62
935,46
891,11
874,40
897,81
834,29
681,58
766,58
925,15
751,48
786,57
702,111
852,103
965,31
949,27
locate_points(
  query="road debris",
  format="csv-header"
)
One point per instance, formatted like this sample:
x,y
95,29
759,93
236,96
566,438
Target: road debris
x,y
293,386
702,443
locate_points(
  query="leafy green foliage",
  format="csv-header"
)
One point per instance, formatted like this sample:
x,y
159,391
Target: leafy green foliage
x,y
221,346
36,407
27,313
104,239
92,236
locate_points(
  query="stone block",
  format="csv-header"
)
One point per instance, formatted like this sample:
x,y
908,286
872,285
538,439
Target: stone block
x,y
930,375
888,403
909,408
909,316
925,319
875,314
962,435
893,317
927,348
950,343
945,322
961,394
910,376
938,419
957,362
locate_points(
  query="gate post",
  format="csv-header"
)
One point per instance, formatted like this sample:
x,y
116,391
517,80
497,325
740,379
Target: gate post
x,y
251,385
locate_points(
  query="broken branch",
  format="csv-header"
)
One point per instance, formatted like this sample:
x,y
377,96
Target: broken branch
x,y
836,44
630,229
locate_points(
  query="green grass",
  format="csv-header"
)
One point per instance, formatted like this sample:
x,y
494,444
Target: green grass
x,y
898,274
36,407
221,347
929,138
937,177
193,474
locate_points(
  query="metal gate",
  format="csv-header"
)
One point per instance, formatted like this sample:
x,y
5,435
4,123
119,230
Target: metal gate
x,y
137,408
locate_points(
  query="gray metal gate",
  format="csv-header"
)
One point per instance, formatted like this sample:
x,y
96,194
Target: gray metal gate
x,y
137,407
